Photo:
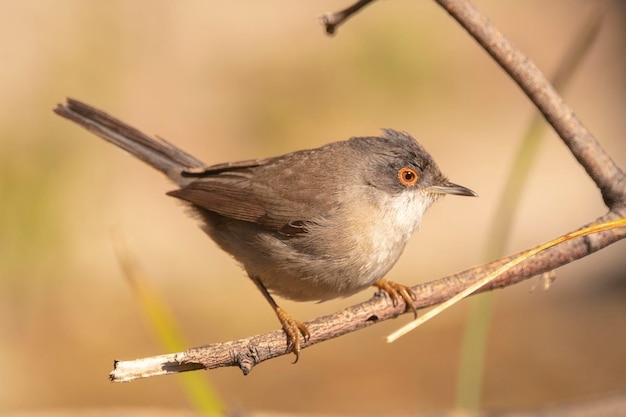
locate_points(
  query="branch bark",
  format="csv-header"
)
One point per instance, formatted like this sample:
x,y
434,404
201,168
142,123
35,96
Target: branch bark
x,y
249,352
332,21
610,179
586,149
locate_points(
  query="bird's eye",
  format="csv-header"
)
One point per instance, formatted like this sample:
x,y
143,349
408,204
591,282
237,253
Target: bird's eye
x,y
407,176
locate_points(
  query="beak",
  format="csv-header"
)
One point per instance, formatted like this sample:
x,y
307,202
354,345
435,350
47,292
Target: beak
x,y
450,188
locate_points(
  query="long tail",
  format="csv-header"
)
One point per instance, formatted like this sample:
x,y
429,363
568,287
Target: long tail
x,y
156,152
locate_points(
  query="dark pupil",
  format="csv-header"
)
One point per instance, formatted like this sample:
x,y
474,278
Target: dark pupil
x,y
408,175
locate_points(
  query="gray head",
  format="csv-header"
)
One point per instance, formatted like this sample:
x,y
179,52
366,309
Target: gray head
x,y
399,163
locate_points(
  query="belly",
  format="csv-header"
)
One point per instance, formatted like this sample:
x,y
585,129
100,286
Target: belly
x,y
328,262
336,257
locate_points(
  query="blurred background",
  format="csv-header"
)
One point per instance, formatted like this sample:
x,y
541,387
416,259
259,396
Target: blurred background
x,y
237,80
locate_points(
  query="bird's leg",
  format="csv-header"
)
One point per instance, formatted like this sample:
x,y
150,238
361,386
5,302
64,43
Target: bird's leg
x,y
295,330
397,291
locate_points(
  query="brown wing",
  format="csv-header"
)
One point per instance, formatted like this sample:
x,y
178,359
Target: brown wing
x,y
283,193
226,196
235,197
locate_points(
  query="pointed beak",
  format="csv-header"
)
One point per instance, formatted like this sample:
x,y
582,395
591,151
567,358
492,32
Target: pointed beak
x,y
450,188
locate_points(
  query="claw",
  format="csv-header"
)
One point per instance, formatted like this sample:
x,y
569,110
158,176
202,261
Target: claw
x,y
396,292
294,330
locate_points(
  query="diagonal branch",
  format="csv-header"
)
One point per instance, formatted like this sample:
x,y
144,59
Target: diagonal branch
x,y
609,178
586,149
249,352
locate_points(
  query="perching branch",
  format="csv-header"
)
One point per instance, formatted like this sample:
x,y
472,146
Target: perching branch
x,y
246,353
610,179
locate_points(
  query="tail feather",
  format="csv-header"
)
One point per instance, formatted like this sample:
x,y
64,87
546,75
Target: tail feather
x,y
156,152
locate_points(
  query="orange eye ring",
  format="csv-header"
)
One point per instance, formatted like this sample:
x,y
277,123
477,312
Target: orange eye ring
x,y
407,176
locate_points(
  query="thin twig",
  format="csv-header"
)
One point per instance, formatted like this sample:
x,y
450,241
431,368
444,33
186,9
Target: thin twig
x,y
332,21
524,256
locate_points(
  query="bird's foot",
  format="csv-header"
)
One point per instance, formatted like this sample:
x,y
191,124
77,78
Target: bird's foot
x,y
398,291
295,331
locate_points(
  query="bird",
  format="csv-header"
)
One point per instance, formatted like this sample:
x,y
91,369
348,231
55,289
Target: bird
x,y
310,225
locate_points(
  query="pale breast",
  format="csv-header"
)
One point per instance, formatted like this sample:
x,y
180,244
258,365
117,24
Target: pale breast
x,y
340,255
384,238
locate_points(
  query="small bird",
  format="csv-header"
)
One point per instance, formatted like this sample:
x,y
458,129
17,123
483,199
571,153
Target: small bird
x,y
310,225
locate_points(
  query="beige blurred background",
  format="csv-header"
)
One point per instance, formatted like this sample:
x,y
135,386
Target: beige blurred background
x,y
237,80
